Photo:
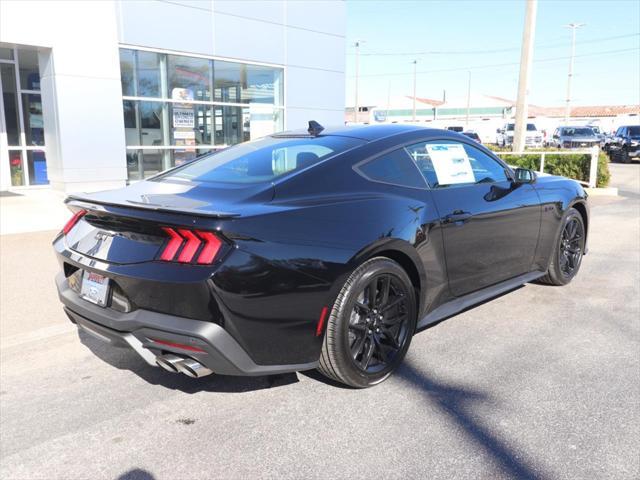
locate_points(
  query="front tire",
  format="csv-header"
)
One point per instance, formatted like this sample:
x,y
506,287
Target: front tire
x,y
568,251
624,155
371,324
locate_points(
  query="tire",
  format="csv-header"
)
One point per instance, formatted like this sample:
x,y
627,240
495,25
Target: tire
x,y
379,336
567,252
624,155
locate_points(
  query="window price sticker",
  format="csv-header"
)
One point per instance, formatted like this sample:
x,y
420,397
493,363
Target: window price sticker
x,y
451,164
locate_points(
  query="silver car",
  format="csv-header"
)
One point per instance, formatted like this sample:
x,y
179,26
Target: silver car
x,y
574,137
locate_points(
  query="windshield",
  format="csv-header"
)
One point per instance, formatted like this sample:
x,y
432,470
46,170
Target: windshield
x,y
583,132
530,127
634,131
261,160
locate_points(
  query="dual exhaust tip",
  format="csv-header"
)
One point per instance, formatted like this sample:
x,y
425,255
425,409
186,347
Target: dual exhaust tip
x,y
190,367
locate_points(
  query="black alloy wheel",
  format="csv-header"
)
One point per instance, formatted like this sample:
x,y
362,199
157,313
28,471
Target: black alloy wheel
x,y
567,256
378,326
571,247
370,326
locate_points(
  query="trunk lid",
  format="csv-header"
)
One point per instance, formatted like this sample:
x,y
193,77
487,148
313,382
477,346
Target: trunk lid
x,y
128,225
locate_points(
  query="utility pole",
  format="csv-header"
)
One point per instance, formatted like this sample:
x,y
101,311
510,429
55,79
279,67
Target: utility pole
x,y
415,63
526,56
357,107
468,101
573,27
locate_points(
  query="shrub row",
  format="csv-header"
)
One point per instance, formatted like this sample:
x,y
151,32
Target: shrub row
x,y
574,166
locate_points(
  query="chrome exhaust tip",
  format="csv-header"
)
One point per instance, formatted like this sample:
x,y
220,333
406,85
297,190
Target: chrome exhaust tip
x,y
169,362
193,368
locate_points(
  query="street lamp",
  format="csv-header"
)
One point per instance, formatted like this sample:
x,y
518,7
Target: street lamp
x,y
415,63
573,27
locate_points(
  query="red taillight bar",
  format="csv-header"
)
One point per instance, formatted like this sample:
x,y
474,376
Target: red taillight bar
x,y
211,247
190,248
73,220
187,243
173,246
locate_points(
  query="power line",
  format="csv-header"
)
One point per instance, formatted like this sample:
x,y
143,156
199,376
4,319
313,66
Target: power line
x,y
478,67
497,50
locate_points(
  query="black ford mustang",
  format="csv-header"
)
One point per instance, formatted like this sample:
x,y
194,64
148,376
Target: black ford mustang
x,y
317,249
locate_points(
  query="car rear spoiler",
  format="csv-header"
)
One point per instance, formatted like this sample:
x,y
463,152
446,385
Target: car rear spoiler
x,y
89,203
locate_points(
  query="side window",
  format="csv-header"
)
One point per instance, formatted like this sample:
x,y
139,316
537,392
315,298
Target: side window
x,y
444,163
395,168
485,169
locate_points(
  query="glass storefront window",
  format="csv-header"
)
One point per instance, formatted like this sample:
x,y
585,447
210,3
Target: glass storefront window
x,y
239,83
151,123
189,78
37,167
152,162
133,164
33,121
144,163
127,68
16,167
6,54
193,127
190,124
29,71
131,131
8,78
148,70
23,116
179,157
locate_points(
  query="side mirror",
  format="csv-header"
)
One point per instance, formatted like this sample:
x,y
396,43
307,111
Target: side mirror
x,y
524,175
498,130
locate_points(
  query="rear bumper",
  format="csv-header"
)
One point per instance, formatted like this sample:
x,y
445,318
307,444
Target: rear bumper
x,y
216,348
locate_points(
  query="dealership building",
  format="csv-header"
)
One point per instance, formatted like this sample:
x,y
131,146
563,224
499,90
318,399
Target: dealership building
x,y
98,94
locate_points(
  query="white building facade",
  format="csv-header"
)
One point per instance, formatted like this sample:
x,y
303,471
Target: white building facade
x,y
98,94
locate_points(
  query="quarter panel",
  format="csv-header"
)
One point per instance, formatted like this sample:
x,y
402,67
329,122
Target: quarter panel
x,y
557,195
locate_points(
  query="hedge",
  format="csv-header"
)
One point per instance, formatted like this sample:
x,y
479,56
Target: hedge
x,y
574,166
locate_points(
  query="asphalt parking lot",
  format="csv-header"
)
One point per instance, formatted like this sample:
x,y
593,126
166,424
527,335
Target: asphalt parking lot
x,y
543,382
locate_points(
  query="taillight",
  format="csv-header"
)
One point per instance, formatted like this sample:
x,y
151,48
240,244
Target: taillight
x,y
185,246
72,221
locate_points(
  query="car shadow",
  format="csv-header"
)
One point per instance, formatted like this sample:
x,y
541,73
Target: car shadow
x,y
457,403
126,359
136,474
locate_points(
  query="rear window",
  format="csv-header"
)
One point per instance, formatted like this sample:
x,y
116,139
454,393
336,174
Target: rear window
x,y
396,168
262,160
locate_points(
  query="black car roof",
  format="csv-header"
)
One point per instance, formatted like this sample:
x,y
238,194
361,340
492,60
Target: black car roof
x,y
369,132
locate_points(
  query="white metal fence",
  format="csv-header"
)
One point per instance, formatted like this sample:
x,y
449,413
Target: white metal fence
x,y
593,166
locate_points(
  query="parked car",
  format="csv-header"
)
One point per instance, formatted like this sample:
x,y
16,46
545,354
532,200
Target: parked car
x,y
596,130
606,141
311,249
472,136
533,138
574,137
625,144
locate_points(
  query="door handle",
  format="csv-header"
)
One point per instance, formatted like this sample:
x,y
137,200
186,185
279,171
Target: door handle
x,y
457,217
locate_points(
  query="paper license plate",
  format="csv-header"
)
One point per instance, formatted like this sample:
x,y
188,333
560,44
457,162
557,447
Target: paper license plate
x,y
95,288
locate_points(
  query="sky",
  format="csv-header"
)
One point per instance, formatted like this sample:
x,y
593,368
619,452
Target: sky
x,y
450,38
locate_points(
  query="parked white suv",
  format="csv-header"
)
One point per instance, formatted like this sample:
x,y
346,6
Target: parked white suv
x,y
533,137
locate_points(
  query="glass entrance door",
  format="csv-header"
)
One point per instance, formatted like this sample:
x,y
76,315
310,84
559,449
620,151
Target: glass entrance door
x,y
22,123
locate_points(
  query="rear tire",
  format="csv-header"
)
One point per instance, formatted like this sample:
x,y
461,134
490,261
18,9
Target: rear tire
x,y
371,324
568,251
